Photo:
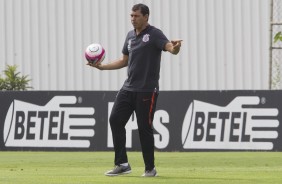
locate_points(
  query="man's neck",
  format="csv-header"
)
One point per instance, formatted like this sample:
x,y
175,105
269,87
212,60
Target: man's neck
x,y
138,31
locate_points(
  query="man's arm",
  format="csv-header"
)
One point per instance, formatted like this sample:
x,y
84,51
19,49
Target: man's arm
x,y
116,64
173,46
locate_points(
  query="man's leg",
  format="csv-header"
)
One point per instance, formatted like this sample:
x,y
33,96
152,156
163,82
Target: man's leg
x,y
121,112
145,109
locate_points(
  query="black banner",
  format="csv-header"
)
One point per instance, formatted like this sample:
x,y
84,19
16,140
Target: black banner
x,y
183,121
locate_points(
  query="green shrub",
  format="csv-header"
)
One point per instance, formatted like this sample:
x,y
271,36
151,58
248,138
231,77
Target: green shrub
x,y
13,81
278,37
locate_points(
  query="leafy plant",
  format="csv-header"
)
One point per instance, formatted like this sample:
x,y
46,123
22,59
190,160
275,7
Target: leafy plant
x,y
13,81
278,37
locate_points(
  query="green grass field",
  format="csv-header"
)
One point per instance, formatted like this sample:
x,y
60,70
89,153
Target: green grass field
x,y
172,167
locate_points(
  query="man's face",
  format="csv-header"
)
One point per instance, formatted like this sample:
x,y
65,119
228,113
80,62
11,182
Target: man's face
x,y
138,20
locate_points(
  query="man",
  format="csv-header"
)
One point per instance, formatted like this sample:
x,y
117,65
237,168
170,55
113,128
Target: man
x,y
142,54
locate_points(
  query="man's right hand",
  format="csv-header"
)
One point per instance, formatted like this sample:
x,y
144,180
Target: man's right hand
x,y
96,65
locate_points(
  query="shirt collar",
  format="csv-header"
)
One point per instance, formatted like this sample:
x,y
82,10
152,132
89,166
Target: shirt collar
x,y
144,30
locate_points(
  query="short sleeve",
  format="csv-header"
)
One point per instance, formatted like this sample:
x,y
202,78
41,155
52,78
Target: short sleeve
x,y
160,39
125,46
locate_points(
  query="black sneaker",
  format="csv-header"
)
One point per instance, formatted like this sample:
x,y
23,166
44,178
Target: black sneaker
x,y
150,173
118,170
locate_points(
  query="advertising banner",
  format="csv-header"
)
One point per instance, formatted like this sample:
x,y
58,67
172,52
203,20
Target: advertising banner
x,y
184,121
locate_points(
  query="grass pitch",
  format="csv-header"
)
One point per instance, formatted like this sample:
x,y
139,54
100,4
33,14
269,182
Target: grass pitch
x,y
172,167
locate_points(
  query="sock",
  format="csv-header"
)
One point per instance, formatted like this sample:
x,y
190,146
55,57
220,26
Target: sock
x,y
124,164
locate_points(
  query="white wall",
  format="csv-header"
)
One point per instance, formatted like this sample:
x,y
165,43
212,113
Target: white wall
x,y
225,44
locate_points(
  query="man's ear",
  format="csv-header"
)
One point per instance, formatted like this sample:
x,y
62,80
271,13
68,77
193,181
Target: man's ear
x,y
147,16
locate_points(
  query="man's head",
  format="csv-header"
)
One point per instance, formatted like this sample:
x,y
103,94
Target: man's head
x,y
140,16
143,9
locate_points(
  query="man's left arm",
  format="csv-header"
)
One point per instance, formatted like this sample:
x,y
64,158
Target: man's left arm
x,y
173,46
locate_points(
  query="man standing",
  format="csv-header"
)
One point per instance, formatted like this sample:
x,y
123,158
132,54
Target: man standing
x,y
142,54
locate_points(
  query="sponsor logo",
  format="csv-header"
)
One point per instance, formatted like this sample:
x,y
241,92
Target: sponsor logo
x,y
129,45
57,124
241,125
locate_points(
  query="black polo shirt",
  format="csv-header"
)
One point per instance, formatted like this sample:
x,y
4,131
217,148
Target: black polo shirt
x,y
144,52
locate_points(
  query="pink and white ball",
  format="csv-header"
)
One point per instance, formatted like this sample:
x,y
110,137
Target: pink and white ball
x,y
95,53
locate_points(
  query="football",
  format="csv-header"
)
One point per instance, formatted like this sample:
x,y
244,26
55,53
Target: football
x,y
95,53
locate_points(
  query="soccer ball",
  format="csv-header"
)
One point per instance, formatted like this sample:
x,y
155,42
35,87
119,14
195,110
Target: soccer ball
x,y
95,53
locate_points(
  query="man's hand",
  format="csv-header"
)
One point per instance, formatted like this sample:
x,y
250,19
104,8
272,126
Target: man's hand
x,y
173,46
176,45
96,65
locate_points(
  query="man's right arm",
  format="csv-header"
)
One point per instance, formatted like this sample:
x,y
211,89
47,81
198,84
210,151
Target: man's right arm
x,y
116,64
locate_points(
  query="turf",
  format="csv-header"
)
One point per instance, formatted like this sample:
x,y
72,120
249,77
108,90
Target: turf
x,y
172,167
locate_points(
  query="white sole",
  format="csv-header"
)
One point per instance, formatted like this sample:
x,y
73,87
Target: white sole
x,y
126,172
150,176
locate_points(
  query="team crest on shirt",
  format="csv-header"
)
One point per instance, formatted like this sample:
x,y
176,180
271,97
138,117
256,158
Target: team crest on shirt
x,y
146,38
